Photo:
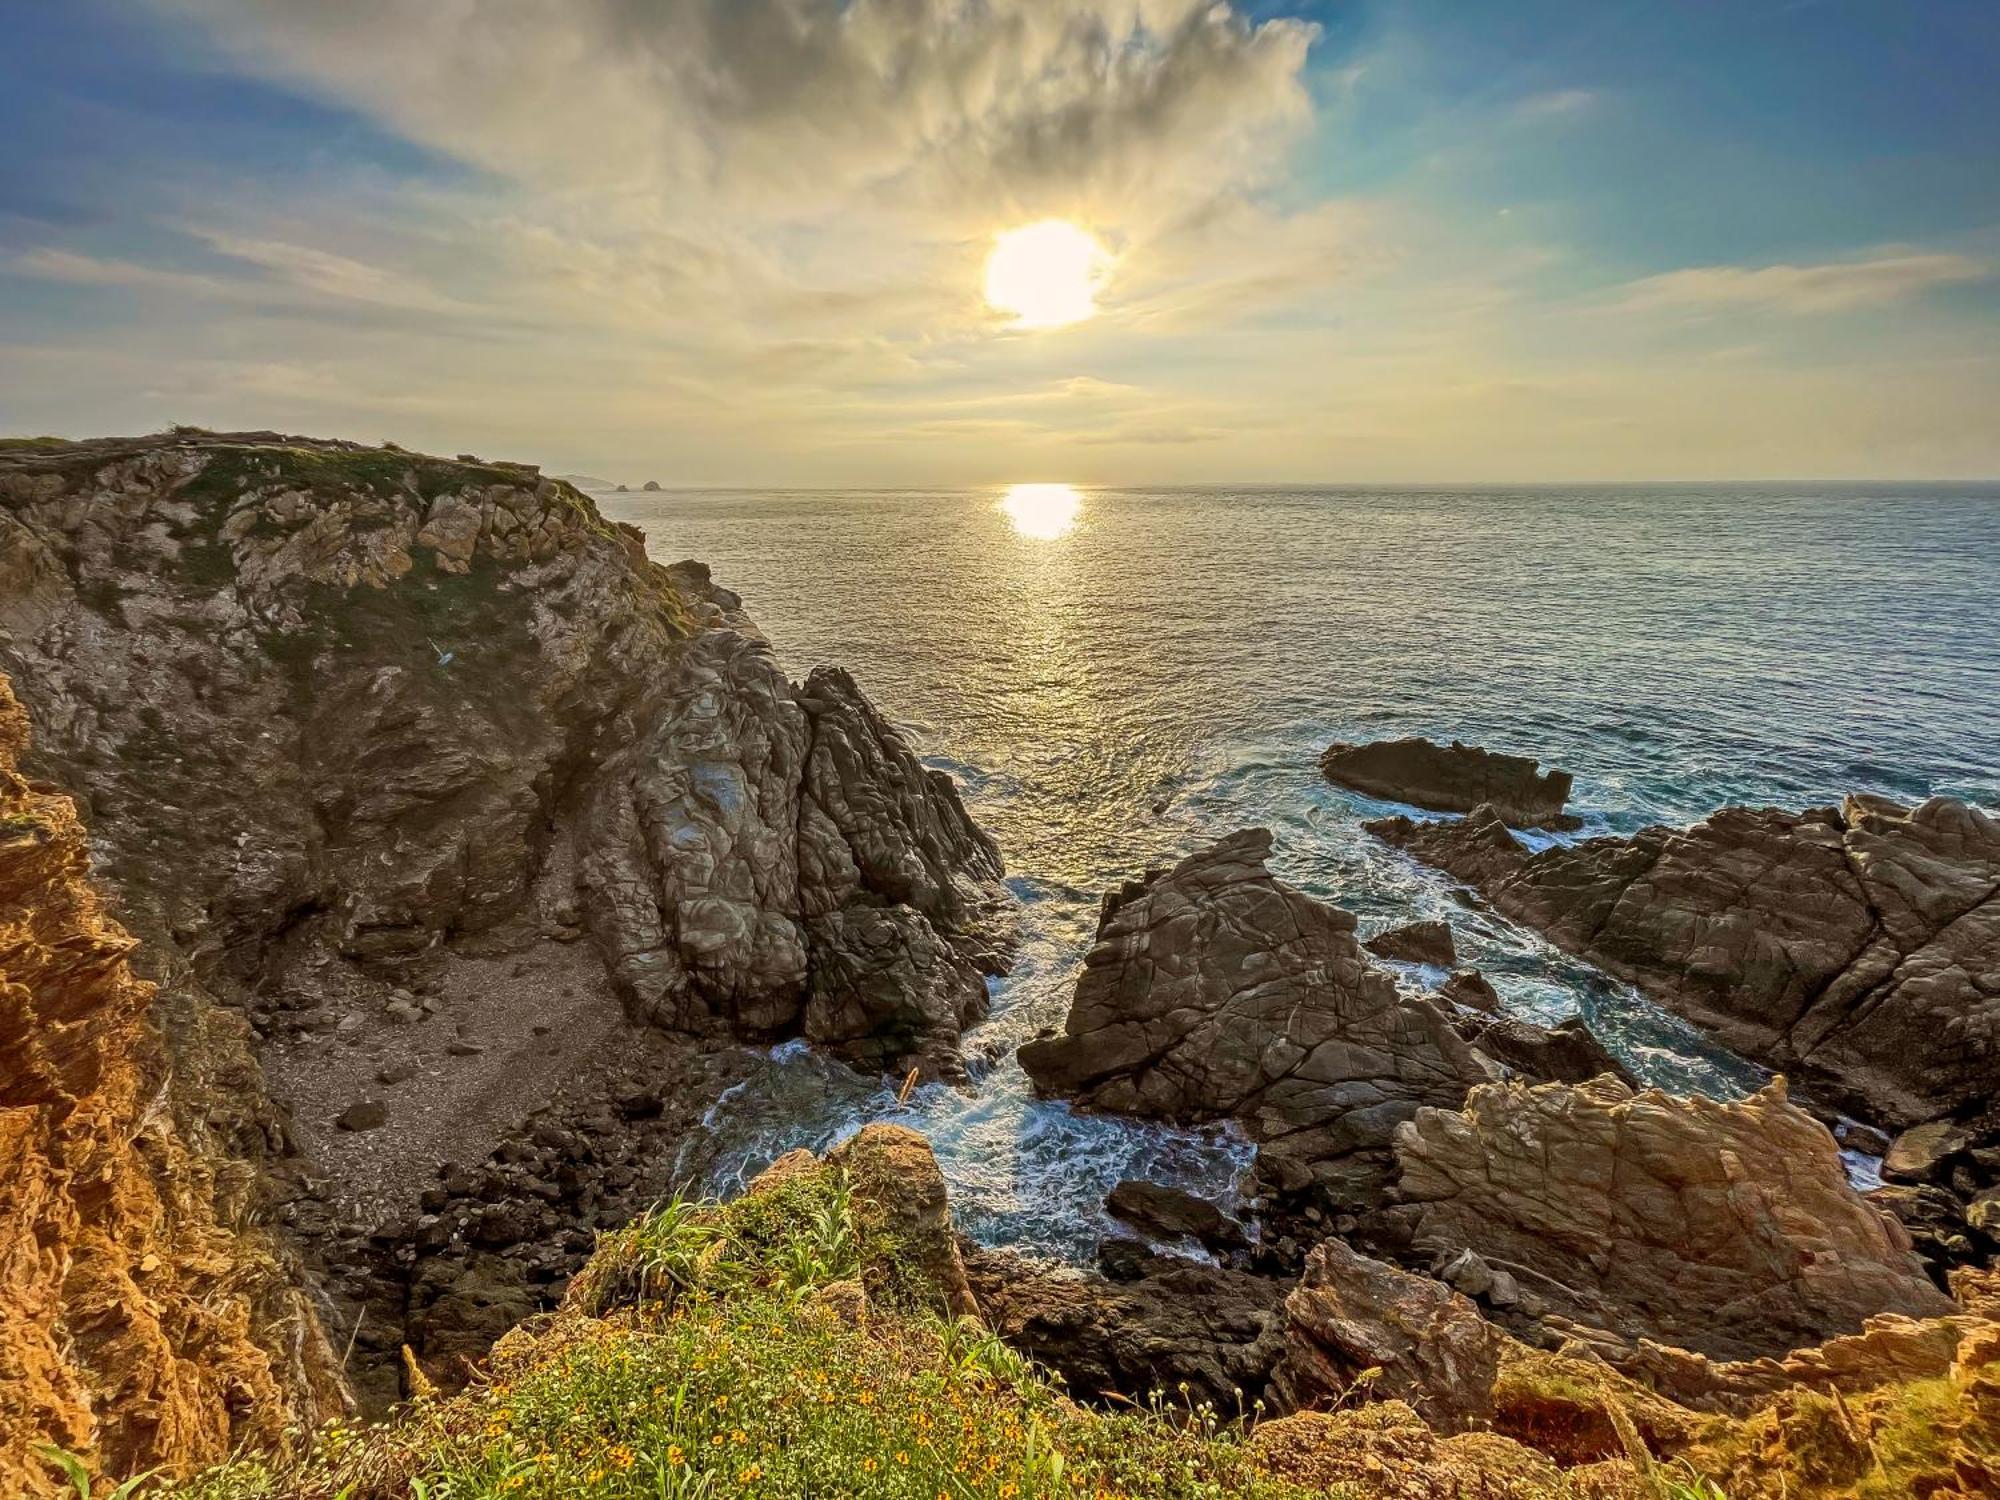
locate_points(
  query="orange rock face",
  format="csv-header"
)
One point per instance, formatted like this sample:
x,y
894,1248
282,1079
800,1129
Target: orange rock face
x,y
133,1327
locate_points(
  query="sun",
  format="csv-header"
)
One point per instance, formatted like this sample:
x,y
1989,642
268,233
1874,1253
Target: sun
x,y
1042,512
1046,274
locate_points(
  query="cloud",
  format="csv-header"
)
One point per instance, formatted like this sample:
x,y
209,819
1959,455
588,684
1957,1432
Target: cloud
x,y
790,108
1828,287
1557,104
49,263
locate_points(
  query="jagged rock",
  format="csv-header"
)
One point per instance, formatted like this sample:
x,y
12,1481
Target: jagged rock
x,y
1857,948
146,1320
1174,1323
350,717
1568,1052
1921,1153
421,680
1729,1229
1416,943
1214,991
766,860
1452,778
1471,989
1350,1314
1168,1213
898,1193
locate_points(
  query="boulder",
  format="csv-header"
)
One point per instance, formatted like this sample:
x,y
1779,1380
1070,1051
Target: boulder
x,y
364,1114
899,1199
1452,778
1416,943
1214,991
1174,1324
1350,1314
1168,1214
1921,1153
1856,948
1568,1052
1471,989
1725,1228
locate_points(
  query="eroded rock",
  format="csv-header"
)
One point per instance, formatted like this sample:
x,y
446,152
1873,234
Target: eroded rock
x,y
1856,948
1174,1323
1728,1229
1214,991
1452,778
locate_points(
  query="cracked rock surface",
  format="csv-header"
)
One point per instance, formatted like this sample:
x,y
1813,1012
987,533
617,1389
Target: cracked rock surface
x,y
424,770
1214,991
1856,948
1726,1229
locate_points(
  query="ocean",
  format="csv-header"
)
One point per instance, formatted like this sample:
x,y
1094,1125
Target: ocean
x,y
1118,676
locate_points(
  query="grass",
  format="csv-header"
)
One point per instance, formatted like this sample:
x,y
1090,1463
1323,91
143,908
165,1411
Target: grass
x,y
725,1351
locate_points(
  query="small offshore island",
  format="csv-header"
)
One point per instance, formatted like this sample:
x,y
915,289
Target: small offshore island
x,y
398,866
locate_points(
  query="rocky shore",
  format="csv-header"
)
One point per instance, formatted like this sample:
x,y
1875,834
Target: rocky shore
x,y
447,860
465,842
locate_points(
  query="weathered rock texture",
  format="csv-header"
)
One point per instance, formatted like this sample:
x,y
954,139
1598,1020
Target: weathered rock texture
x,y
368,692
1728,1229
1453,778
1175,1322
1214,991
1856,948
350,722
1416,943
143,1321
1350,1314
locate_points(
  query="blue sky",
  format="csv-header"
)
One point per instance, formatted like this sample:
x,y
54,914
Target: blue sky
x,y
741,240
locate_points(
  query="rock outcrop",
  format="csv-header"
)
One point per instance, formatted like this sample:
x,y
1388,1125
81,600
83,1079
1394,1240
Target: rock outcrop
x,y
1857,949
1568,1052
143,1321
762,859
1727,1229
1172,1324
1416,943
1214,991
425,770
1169,1214
378,694
1429,1345
1453,778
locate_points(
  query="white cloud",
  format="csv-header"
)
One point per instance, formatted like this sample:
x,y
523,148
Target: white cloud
x,y
1827,287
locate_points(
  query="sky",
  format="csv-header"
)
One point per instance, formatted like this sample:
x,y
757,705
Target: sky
x,y
743,241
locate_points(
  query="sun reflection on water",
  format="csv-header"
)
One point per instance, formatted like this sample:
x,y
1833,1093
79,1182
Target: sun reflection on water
x,y
1043,512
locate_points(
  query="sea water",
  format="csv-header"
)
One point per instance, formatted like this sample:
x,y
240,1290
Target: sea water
x,y
1120,676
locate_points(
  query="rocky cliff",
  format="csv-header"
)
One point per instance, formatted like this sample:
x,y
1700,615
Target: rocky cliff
x,y
143,1320
422,769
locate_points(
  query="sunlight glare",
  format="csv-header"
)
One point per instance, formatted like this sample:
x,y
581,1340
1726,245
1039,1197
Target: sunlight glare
x,y
1042,512
1046,274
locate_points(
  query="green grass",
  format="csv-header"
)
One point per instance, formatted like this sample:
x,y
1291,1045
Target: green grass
x,y
703,1354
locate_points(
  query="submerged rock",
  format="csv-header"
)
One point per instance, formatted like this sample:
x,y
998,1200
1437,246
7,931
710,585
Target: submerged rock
x,y
1214,991
1453,778
1856,948
1729,1229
